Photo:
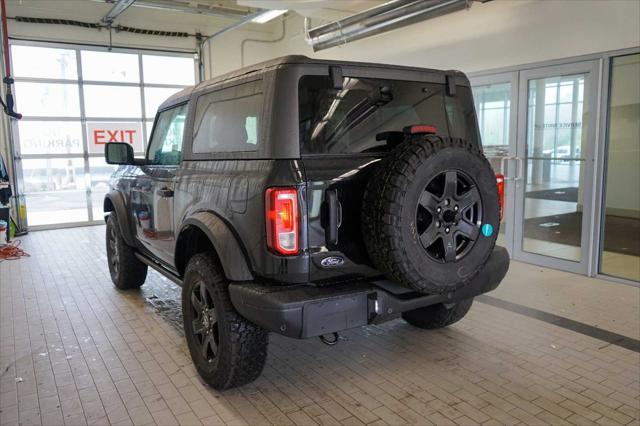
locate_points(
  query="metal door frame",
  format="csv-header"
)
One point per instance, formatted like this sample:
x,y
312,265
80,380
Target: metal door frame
x,y
509,161
592,85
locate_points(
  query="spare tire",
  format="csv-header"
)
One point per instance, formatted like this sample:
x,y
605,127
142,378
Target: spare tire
x,y
431,213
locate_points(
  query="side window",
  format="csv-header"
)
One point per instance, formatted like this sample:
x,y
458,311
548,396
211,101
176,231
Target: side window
x,y
166,142
228,120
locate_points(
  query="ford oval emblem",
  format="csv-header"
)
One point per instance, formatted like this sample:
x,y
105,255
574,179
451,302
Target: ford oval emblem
x,y
330,261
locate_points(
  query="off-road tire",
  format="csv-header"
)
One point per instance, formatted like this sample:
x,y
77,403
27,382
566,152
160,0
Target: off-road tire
x,y
437,316
389,220
242,345
127,271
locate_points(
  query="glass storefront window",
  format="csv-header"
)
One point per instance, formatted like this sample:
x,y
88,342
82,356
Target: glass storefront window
x,y
50,137
110,66
620,244
55,151
100,173
112,101
47,99
44,62
168,70
55,190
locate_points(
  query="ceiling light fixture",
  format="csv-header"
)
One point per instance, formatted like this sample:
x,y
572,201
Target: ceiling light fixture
x,y
268,15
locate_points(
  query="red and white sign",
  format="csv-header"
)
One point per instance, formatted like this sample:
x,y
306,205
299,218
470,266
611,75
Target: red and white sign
x,y
101,133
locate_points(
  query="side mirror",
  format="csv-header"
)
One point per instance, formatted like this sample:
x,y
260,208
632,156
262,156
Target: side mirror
x,y
118,153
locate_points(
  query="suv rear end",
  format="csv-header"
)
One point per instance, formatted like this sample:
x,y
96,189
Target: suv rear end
x,y
307,197
344,111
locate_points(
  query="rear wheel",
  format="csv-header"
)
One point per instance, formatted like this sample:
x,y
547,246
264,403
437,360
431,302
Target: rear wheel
x,y
227,350
438,316
124,267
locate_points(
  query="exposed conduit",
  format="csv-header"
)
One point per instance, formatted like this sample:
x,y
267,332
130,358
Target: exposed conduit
x,y
386,17
257,40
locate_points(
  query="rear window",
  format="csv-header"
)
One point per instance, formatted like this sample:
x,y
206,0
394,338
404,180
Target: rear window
x,y
228,120
347,121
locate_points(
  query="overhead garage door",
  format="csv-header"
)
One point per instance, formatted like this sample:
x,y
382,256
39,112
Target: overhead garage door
x,y
74,99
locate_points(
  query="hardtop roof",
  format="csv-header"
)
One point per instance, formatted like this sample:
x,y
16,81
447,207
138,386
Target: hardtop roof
x,y
260,67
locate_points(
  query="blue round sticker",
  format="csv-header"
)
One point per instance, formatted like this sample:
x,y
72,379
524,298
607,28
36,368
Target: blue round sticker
x,y
487,229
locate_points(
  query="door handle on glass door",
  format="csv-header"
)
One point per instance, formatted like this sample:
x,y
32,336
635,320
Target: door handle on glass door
x,y
520,167
165,192
503,171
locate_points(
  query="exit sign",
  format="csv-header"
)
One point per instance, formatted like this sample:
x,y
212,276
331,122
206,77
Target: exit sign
x,y
101,133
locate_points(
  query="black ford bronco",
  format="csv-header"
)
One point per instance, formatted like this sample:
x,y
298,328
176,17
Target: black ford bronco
x,y
305,197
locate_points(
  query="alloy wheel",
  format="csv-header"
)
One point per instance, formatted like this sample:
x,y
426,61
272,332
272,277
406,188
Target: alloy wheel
x,y
449,216
204,324
113,249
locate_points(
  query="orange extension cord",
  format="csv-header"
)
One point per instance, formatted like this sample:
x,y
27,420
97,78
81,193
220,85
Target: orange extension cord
x,y
12,251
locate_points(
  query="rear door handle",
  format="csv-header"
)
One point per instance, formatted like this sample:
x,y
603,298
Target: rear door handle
x,y
165,192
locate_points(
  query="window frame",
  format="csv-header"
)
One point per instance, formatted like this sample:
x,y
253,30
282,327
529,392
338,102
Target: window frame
x,y
262,145
184,134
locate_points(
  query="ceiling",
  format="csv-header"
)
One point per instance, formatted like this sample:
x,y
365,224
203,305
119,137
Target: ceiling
x,y
93,10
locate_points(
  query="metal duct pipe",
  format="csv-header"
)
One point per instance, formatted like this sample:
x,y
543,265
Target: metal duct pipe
x,y
196,9
118,7
386,17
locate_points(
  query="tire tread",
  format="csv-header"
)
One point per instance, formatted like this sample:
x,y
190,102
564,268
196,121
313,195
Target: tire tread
x,y
133,272
383,206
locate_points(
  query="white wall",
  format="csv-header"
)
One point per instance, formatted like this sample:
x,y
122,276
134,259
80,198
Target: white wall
x,y
492,35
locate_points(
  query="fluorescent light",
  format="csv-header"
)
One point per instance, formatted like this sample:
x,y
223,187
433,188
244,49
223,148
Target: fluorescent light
x,y
268,15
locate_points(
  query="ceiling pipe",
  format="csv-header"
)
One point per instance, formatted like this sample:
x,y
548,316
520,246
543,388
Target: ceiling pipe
x,y
197,9
253,17
386,17
204,40
258,40
118,7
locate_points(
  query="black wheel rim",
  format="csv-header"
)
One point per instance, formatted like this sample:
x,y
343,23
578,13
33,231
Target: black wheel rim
x,y
204,324
113,251
449,216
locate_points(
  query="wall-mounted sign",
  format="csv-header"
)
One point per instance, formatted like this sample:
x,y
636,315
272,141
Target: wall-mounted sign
x,y
101,133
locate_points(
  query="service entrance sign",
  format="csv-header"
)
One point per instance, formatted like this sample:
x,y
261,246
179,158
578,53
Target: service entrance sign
x,y
101,133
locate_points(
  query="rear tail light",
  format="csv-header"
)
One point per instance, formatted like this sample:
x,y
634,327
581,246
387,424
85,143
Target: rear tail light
x,y
500,182
282,220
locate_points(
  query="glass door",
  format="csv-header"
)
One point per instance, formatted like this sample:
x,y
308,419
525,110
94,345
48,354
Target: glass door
x,y
555,161
620,238
495,100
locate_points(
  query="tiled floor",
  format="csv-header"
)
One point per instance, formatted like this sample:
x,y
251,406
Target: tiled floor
x,y
74,350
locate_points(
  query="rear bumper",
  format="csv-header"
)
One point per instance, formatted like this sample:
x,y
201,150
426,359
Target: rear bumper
x,y
304,311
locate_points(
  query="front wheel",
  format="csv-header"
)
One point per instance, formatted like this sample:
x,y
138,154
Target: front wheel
x,y
126,270
438,316
227,350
